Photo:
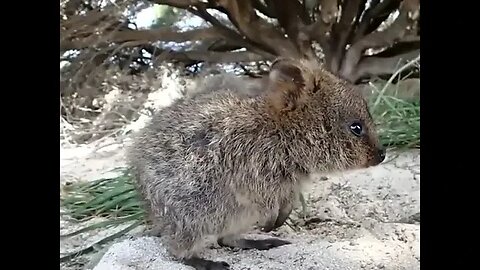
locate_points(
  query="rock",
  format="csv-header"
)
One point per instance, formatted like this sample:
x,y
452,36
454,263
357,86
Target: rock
x,y
306,252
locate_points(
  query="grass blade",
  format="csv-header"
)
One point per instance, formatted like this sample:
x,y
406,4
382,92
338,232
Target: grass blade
x,y
105,224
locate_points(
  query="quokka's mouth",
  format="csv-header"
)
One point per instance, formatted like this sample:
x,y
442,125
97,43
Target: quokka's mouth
x,y
373,162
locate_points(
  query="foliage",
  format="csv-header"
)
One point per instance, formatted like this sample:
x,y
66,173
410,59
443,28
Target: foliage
x,y
356,38
102,50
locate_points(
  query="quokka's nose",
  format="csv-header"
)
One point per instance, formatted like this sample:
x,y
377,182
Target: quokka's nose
x,y
381,154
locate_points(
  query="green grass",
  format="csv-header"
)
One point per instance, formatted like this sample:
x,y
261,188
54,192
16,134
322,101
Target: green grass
x,y
110,197
116,199
398,121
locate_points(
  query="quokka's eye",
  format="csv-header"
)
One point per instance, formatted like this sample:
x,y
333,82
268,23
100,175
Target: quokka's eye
x,y
356,128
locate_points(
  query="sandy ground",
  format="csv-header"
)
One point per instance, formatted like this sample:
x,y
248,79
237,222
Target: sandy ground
x,y
366,219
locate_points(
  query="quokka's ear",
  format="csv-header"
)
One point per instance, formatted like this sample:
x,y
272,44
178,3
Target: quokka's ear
x,y
286,85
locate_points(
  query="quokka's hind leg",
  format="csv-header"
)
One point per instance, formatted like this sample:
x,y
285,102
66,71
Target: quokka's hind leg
x,y
242,243
203,264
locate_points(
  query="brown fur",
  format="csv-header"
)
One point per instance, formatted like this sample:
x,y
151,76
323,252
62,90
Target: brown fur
x,y
215,165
